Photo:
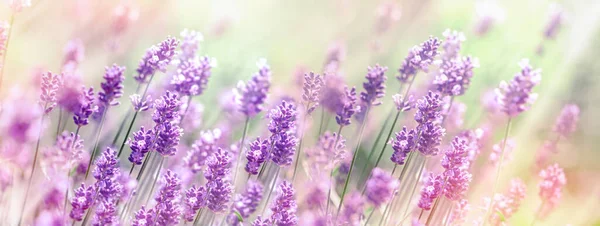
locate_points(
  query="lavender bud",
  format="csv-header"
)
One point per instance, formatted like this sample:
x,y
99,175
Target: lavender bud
x,y
112,87
374,87
349,108
50,85
257,154
311,91
516,96
250,97
157,58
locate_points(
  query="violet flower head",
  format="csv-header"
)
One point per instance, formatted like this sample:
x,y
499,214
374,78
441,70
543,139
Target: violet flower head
x,y
66,153
192,76
218,185
352,210
457,183
455,76
374,86
332,93
553,181
419,58
282,127
403,104
202,149
284,207
328,153
403,144
167,139
428,108
456,156
452,44
141,144
261,222
250,97
257,155
167,201
144,217
246,203
157,58
112,87
107,176
81,201
555,21
218,165
431,190
311,91
516,96
50,84
380,187
195,199
139,103
106,213
566,123
344,114
190,41
506,205
431,138
166,108
86,107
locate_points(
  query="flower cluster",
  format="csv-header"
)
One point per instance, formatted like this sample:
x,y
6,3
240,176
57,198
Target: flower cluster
x,y
86,107
455,76
218,185
283,138
345,113
204,147
380,187
553,181
157,58
195,199
257,155
374,86
81,201
142,143
192,76
246,203
566,123
311,91
431,190
506,205
403,144
284,207
112,87
50,84
250,97
516,96
167,207
419,58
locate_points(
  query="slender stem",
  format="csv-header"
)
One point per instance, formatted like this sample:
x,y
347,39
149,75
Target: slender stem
x,y
60,114
369,217
162,158
435,205
66,195
322,121
12,22
375,144
270,191
402,174
35,157
146,160
122,124
495,187
187,107
197,216
339,133
127,134
87,172
415,187
537,213
447,111
362,128
387,139
241,148
300,145
421,214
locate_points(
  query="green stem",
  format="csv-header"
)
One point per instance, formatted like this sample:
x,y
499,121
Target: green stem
x,y
362,128
60,113
537,213
387,139
156,176
122,124
241,148
369,217
87,172
127,134
35,157
300,146
495,187
270,191
322,121
339,134
375,144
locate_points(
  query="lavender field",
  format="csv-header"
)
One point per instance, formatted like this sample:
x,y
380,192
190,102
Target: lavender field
x,y
324,113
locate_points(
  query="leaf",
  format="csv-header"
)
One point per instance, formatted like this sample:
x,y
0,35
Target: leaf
x,y
502,217
239,216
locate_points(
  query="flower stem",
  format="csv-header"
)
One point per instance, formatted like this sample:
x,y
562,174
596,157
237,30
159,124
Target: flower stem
x,y
362,128
60,114
241,148
270,191
495,187
339,134
537,213
87,172
387,139
156,176
127,134
375,144
35,157
300,145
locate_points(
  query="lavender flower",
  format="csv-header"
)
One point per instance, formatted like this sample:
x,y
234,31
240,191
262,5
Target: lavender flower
x,y
167,201
249,97
202,149
166,108
167,139
403,144
141,144
257,154
195,199
140,104
50,85
106,174
516,96
328,153
566,123
86,107
284,208
374,87
349,108
246,203
218,165
431,190
311,91
332,93
282,127
218,184
157,58
81,201
428,108
112,87
431,138
67,151
455,76
553,181
144,217
260,222
380,187
457,183
192,76
352,210
555,20
419,58
189,44
403,104
452,44
106,213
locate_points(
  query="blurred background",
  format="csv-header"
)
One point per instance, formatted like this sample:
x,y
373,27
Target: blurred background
x,y
299,36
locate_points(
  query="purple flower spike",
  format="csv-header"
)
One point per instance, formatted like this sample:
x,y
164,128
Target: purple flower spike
x,y
380,187
566,123
166,108
112,87
258,153
284,208
157,58
86,107
332,93
282,127
218,165
311,91
50,85
195,199
431,190
328,153
375,85
168,138
403,144
218,184
247,203
456,163
452,44
140,145
428,108
66,153
403,104
516,96
167,201
349,108
457,183
144,217
81,201
250,97
431,138
260,222
107,174
202,149
190,40
140,104
192,76
106,212
455,76
419,58
353,209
